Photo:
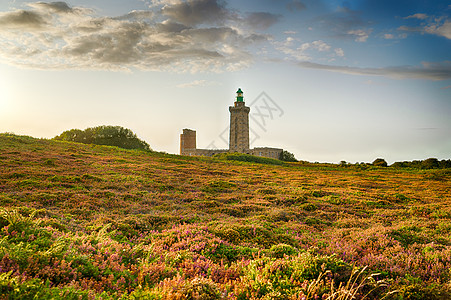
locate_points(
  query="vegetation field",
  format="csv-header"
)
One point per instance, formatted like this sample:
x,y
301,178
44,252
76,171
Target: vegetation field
x,y
80,221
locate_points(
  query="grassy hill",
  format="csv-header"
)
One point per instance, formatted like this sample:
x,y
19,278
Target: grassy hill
x,y
85,221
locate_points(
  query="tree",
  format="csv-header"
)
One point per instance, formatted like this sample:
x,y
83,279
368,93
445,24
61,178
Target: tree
x,y
430,163
105,135
287,156
379,162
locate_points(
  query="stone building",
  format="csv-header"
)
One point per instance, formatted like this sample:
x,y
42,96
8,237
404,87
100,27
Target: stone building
x,y
238,137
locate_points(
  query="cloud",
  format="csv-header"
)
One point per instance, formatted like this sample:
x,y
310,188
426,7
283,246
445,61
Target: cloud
x,y
59,7
339,52
22,19
345,23
417,16
446,87
429,71
57,36
193,12
261,20
317,45
296,5
440,26
360,34
153,3
307,51
195,83
389,36
441,30
169,26
138,15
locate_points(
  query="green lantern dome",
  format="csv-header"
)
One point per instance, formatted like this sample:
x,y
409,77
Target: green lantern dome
x,y
239,95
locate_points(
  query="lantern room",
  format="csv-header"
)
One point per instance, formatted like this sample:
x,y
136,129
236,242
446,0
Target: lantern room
x,y
239,95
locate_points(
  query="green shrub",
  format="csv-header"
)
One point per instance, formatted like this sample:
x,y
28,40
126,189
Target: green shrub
x,y
280,250
430,163
380,162
408,235
418,291
309,207
14,288
84,265
287,156
280,215
319,194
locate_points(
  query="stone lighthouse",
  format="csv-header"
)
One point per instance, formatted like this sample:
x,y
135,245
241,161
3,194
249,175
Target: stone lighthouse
x,y
239,125
238,139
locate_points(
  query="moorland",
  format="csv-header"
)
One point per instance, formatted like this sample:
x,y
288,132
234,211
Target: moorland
x,y
80,221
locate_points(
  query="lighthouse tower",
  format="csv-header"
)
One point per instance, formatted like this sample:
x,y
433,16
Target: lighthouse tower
x,y
239,125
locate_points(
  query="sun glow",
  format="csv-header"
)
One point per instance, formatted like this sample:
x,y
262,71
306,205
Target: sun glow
x,y
3,98
5,94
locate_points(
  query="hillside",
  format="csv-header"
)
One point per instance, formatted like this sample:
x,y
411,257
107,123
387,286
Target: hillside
x,y
101,222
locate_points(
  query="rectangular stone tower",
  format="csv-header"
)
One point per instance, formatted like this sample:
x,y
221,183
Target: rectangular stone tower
x,y
187,142
239,125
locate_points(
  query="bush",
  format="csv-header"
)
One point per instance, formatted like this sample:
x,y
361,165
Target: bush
x,y
105,135
279,250
287,156
430,163
379,162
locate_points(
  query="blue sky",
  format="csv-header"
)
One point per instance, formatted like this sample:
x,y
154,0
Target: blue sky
x,y
326,80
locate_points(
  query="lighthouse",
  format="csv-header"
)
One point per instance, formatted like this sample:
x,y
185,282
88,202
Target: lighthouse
x,y
238,139
239,125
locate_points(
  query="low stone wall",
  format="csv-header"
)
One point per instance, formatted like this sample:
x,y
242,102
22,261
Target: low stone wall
x,y
263,151
203,152
266,152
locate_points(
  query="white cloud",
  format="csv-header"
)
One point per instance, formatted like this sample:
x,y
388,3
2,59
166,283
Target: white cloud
x,y
393,36
195,83
339,52
389,36
440,29
417,16
306,51
288,41
435,25
360,34
428,70
319,45
302,52
153,3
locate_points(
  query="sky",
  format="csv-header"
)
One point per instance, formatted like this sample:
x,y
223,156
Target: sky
x,y
328,81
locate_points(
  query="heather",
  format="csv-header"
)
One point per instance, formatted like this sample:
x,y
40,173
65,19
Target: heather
x,y
85,221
